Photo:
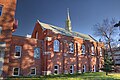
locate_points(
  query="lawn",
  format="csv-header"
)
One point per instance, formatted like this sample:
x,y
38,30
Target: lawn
x,y
84,76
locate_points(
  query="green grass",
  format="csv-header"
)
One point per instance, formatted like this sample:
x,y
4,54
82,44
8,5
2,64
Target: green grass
x,y
84,76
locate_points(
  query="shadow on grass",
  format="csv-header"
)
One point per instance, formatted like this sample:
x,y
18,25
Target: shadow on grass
x,y
84,76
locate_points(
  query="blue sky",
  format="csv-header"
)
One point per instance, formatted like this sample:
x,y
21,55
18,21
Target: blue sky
x,y
84,13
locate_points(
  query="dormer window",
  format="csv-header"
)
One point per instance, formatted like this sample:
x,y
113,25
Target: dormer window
x,y
71,47
92,50
56,45
83,49
1,9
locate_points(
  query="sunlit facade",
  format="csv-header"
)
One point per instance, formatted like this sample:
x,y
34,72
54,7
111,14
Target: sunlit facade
x,y
50,49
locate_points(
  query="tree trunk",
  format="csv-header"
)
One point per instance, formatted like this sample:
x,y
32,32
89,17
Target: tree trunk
x,y
106,73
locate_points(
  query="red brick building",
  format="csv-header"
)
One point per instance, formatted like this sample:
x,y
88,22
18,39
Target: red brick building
x,y
50,50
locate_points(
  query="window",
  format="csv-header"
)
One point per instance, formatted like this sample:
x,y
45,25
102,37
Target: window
x,y
71,47
33,71
1,10
83,49
56,69
36,52
71,69
94,68
84,68
15,71
56,45
92,50
100,51
36,35
0,30
17,51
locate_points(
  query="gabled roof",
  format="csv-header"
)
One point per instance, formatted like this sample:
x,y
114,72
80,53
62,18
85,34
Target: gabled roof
x,y
62,31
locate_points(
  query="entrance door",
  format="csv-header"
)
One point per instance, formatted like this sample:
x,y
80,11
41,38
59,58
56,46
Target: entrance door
x,y
1,61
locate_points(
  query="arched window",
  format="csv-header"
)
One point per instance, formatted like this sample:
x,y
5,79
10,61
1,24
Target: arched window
x,y
92,50
100,51
71,47
84,68
36,35
56,45
83,49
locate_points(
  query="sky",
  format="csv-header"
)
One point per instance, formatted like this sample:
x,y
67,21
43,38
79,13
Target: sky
x,y
83,13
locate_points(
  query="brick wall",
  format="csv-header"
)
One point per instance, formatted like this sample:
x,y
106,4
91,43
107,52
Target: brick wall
x,y
6,22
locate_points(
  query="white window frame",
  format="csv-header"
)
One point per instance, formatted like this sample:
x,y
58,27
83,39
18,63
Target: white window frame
x,y
83,46
84,68
93,50
56,46
1,10
71,69
31,70
100,51
18,71
56,69
20,52
94,66
38,51
71,47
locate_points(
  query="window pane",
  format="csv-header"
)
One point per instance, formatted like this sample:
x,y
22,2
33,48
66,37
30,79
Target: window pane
x,y
83,49
16,71
71,47
37,53
56,72
0,10
18,51
55,67
17,54
33,71
56,45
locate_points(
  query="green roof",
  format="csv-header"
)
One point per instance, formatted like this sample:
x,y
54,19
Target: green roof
x,y
62,31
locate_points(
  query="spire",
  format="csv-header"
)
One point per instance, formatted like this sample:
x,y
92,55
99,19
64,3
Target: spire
x,y
68,22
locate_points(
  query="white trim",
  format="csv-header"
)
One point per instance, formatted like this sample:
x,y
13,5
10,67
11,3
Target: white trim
x,y
18,71
31,69
15,52
56,69
48,38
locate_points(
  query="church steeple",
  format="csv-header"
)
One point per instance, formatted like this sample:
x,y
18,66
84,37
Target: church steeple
x,y
68,22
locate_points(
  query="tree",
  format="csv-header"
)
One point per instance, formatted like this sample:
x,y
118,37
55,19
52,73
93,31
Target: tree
x,y
108,62
106,31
